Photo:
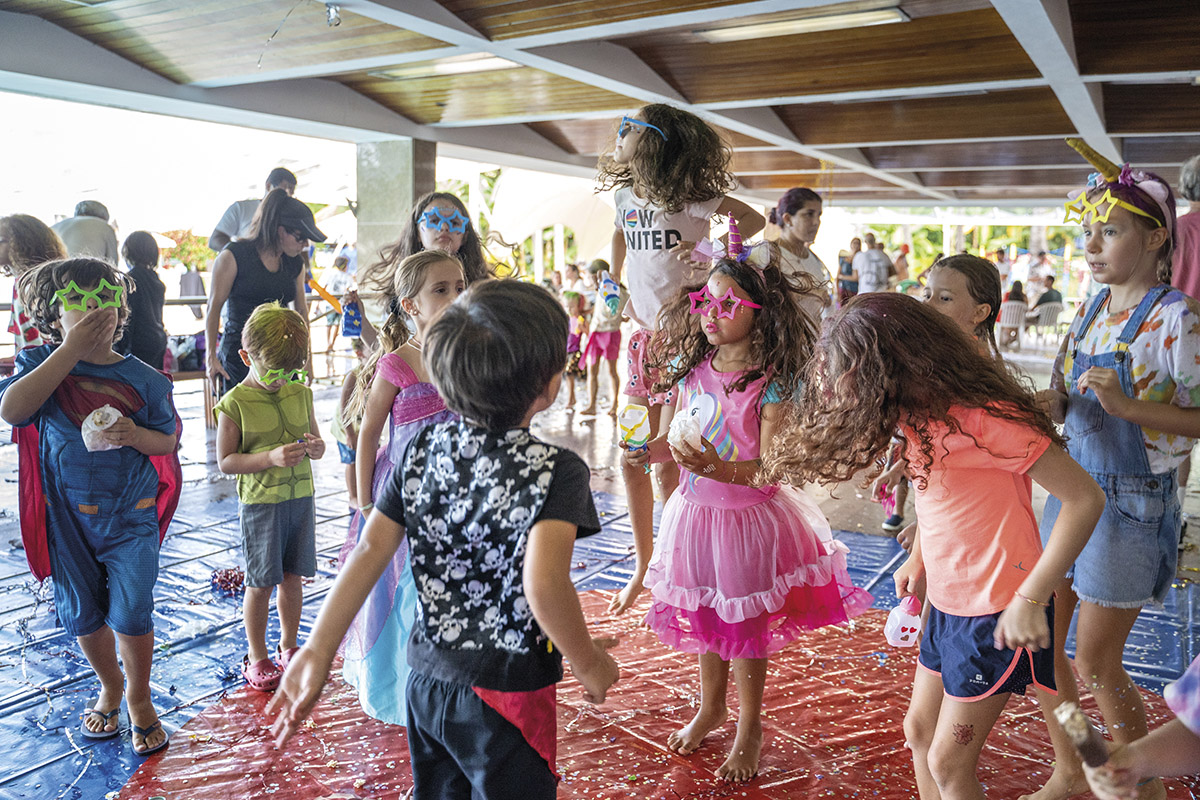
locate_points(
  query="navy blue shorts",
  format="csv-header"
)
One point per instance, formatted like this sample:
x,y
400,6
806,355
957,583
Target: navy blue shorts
x,y
960,650
460,747
346,454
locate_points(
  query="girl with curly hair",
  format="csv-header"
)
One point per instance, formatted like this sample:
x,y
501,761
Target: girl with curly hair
x,y
671,173
974,441
740,569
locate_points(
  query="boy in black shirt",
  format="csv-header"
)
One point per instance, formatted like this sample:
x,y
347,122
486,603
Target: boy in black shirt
x,y
491,515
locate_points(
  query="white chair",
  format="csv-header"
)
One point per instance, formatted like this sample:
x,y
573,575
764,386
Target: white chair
x,y
1010,322
1047,320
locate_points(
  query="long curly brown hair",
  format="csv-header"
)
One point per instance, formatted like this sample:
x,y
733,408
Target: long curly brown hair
x,y
884,361
781,339
690,166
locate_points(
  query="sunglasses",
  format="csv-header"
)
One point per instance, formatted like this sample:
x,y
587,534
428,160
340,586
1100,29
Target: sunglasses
x,y
628,123
287,375
75,299
727,304
299,236
1079,209
434,219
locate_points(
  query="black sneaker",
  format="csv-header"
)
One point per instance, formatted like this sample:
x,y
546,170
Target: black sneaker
x,y
894,523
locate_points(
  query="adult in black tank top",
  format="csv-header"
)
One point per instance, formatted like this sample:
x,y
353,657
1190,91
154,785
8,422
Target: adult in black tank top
x,y
263,267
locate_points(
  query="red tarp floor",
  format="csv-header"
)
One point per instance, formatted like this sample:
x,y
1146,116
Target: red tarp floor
x,y
833,716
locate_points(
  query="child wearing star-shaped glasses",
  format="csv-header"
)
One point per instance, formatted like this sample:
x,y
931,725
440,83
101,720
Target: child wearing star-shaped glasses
x,y
266,435
92,519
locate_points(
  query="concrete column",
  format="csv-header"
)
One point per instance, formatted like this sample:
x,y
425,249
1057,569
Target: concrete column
x,y
392,174
539,257
560,247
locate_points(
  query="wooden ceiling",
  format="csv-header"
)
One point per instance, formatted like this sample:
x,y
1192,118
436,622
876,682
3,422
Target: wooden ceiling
x,y
966,102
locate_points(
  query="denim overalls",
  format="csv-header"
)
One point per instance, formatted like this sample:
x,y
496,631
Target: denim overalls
x,y
1131,557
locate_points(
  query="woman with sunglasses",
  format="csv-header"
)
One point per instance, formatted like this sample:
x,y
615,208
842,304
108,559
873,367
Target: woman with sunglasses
x,y
263,267
439,221
671,173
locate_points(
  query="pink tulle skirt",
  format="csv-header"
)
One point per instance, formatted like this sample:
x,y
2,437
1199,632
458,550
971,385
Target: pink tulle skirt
x,y
743,582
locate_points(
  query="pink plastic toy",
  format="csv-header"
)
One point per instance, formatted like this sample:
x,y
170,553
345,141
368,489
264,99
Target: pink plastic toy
x,y
904,623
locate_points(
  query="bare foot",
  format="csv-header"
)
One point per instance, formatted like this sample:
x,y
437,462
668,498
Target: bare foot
x,y
144,716
626,596
106,701
1061,785
612,412
591,409
742,763
687,739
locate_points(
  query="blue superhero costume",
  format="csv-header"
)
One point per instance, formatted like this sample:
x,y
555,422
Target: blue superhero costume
x,y
94,520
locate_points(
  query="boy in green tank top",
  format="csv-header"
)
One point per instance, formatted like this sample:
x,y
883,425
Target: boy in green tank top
x,y
266,434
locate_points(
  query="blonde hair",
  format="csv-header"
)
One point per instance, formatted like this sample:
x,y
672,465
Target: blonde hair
x,y
407,283
276,337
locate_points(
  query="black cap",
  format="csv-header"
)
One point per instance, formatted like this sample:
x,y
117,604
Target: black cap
x,y
295,214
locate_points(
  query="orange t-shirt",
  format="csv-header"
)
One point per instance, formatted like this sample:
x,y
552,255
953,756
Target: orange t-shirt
x,y
979,537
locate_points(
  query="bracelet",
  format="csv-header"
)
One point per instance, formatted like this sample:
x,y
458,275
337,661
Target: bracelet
x,y
366,508
1031,600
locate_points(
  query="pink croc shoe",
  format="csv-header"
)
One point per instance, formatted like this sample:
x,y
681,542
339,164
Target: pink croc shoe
x,y
263,676
284,657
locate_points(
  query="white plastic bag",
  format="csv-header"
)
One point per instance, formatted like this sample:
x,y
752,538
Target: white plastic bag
x,y
684,434
96,423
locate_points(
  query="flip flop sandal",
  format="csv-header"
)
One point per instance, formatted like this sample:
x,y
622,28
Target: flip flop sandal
x,y
145,733
102,733
284,657
262,676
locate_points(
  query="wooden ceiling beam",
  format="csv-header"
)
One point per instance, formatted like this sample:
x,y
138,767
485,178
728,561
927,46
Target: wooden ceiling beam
x,y
1043,29
610,67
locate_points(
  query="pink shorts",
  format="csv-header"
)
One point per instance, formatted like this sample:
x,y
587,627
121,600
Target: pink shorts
x,y
602,344
642,377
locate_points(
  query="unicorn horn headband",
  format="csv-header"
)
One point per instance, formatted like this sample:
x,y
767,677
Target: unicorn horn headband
x,y
1080,209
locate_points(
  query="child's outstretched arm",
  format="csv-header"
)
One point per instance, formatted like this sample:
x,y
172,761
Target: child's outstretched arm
x,y
309,669
28,393
375,416
1023,623
555,605
1169,750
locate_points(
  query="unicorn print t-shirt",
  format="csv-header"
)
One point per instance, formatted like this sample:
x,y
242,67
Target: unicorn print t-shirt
x,y
652,273
1164,364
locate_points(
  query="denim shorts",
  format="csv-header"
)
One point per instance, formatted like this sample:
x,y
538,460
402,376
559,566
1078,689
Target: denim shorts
x,y
279,538
1131,557
960,650
346,454
104,567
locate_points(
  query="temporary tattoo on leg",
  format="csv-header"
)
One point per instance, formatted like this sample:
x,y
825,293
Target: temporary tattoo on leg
x,y
964,734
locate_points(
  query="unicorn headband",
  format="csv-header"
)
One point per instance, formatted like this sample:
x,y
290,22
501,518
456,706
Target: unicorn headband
x,y
756,255
1080,209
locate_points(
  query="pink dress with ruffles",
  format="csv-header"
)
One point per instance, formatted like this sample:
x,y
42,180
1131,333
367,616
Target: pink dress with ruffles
x,y
737,570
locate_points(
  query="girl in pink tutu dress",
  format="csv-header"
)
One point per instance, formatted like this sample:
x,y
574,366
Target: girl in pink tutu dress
x,y
394,392
738,570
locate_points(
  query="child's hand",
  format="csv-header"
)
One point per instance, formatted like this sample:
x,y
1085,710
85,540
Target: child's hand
x,y
1106,385
683,251
96,325
297,693
699,462
314,446
909,577
636,458
906,537
1054,403
1117,779
889,479
1022,624
600,673
624,598
287,455
121,433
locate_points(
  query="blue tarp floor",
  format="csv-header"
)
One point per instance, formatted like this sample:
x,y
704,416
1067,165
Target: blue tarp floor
x,y
45,683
